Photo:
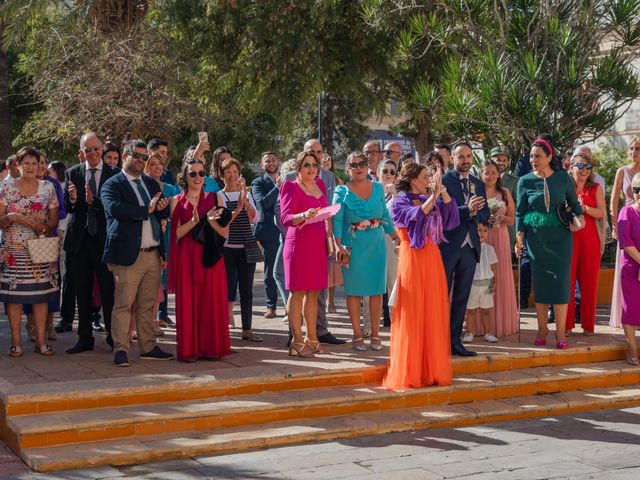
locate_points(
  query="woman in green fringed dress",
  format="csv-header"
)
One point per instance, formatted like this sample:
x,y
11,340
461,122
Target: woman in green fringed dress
x,y
549,243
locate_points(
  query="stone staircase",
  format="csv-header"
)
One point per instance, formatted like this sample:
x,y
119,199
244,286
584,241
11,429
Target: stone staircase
x,y
73,424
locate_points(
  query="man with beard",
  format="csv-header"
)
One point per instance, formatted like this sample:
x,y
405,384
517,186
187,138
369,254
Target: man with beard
x,y
461,251
266,189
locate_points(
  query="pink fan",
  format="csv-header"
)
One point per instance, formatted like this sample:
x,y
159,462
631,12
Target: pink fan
x,y
322,214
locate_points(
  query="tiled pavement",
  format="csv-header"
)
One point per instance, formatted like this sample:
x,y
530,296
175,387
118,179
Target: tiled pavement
x,y
600,445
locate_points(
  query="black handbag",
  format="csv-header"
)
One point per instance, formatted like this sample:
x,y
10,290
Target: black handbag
x,y
565,214
253,252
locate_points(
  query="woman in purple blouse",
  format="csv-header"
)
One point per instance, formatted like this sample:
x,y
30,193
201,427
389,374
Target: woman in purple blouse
x,y
420,344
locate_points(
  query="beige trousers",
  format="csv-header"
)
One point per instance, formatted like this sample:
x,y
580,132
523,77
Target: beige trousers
x,y
140,283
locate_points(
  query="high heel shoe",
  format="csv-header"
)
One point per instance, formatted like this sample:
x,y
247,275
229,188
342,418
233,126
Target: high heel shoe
x,y
359,348
315,346
376,347
631,360
540,342
562,345
301,350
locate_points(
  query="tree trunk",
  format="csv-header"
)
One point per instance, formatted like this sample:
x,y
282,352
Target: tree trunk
x,y
5,113
327,125
424,139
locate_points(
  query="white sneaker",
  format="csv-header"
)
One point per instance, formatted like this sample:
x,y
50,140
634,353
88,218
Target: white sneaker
x,y
468,338
490,338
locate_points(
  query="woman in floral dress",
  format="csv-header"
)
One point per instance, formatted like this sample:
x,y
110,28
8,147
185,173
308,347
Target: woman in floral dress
x,y
28,209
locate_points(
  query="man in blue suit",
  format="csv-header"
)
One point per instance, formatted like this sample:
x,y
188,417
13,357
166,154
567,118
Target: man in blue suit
x,y
461,251
266,191
134,250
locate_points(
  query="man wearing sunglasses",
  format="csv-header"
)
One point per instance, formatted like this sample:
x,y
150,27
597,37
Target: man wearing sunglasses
x,y
86,235
393,151
134,251
373,153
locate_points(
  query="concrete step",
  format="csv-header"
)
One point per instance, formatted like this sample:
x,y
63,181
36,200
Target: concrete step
x,y
150,448
150,389
79,426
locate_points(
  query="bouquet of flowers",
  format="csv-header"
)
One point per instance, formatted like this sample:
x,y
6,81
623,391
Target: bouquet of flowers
x,y
495,207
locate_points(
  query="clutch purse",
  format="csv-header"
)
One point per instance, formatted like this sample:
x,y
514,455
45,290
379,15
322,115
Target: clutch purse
x,y
567,217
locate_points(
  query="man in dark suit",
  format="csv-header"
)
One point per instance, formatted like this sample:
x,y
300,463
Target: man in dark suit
x,y
86,235
266,190
461,251
134,250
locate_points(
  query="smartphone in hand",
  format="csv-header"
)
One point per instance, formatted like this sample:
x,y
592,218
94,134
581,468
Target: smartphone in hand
x,y
202,136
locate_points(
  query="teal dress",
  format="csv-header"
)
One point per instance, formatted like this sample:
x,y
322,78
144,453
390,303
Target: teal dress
x,y
367,271
168,191
549,243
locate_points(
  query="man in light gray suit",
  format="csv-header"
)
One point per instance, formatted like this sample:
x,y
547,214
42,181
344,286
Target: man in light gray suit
x,y
329,179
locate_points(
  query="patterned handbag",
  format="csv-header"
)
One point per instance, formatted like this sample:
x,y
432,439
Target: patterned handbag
x,y
44,249
253,252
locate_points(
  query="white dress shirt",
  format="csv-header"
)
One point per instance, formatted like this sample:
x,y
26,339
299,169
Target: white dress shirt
x,y
97,176
147,232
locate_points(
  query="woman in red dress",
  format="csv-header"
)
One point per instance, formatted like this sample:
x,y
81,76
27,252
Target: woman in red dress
x,y
201,292
585,262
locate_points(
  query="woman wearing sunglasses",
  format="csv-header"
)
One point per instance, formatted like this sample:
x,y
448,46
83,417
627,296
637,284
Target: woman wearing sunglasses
x,y
306,269
629,241
359,228
585,262
387,173
202,327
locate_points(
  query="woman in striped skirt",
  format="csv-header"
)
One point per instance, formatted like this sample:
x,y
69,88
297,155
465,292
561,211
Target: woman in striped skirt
x,y
28,208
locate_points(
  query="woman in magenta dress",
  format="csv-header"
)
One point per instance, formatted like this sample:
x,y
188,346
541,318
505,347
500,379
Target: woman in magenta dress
x,y
201,292
306,267
629,241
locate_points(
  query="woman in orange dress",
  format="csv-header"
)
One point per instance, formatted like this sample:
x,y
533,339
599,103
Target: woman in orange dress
x,y
420,341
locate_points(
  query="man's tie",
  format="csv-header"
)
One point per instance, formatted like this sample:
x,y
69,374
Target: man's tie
x,y
92,222
155,226
465,188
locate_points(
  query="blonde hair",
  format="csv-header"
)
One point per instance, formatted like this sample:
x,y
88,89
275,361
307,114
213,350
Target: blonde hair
x,y
153,156
635,181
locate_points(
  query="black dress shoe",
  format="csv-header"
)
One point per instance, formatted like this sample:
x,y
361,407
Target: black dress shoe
x,y
330,339
63,326
157,354
121,359
462,352
80,347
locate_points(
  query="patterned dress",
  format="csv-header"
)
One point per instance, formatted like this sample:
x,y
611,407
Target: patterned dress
x,y
21,281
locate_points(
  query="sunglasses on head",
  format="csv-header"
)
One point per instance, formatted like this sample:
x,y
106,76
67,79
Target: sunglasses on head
x,y
361,164
387,171
391,152
88,150
140,156
583,166
636,190
195,174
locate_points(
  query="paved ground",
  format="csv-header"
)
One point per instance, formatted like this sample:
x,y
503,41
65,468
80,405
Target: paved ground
x,y
601,445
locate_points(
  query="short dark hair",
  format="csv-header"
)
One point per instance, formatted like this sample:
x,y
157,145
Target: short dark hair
x,y
156,143
129,145
461,143
445,146
184,169
25,152
112,147
484,223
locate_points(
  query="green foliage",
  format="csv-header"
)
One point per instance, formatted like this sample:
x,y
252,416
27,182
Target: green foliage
x,y
609,158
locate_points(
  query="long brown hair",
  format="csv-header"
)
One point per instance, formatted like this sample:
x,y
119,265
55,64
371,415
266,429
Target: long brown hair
x,y
499,186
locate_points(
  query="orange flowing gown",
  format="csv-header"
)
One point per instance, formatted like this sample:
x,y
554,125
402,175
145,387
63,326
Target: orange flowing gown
x,y
420,352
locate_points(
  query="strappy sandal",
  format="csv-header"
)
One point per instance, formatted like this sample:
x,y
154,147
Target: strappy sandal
x,y
301,350
632,360
315,346
359,348
45,350
251,337
15,351
376,347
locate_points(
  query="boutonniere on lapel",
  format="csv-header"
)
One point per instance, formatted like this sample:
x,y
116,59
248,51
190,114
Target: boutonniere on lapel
x,y
472,187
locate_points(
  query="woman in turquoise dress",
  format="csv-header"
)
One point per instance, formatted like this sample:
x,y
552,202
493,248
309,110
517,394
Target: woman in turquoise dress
x,y
359,228
549,243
